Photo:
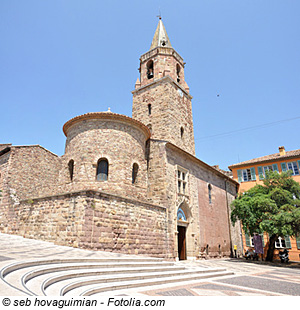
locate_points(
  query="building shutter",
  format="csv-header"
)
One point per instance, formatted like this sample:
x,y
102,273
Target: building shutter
x,y
287,242
299,164
275,167
240,179
283,167
260,173
253,176
248,243
298,242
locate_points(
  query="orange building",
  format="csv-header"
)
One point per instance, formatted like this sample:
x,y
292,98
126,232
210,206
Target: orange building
x,y
251,172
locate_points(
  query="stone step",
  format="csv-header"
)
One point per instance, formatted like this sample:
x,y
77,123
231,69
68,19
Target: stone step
x,y
93,289
16,275
25,264
93,276
47,284
165,277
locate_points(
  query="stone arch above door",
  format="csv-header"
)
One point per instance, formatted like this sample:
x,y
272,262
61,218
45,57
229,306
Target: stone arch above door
x,y
184,214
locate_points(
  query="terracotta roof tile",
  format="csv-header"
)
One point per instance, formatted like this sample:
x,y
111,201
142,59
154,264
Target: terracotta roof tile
x,y
272,157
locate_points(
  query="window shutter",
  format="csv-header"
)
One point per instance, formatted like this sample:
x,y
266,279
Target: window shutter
x,y
299,164
283,167
253,176
260,173
298,242
248,243
287,242
240,179
275,167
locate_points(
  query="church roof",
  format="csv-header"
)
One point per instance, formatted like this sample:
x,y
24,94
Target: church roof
x,y
160,38
106,116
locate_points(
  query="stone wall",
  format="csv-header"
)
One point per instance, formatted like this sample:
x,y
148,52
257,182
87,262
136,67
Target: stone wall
x,y
208,222
30,172
235,231
214,220
128,226
91,220
157,182
186,201
4,186
118,141
171,113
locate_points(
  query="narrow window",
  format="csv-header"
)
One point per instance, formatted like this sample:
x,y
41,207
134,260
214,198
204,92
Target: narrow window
x,y
102,170
149,109
178,72
71,169
150,70
181,132
209,193
135,169
182,179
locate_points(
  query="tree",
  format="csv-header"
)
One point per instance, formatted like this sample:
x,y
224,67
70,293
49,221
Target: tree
x,y
273,207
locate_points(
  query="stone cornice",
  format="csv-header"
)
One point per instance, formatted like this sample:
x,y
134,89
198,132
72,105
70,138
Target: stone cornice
x,y
89,192
162,51
107,116
164,79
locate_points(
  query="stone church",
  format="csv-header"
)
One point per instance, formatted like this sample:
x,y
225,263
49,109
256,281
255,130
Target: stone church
x,y
125,184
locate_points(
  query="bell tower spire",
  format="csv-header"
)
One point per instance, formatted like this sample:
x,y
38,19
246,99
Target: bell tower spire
x,y
160,36
161,98
161,60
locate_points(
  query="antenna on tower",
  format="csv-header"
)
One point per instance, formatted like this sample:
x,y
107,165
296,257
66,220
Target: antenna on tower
x,y
159,14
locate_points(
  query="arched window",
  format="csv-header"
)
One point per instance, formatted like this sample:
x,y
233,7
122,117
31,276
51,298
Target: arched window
x,y
135,169
71,169
102,170
150,69
209,193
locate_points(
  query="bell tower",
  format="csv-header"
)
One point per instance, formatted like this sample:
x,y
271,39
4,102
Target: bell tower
x,y
161,98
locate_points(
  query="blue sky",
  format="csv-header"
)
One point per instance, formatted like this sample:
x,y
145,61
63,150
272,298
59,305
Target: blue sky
x,y
60,59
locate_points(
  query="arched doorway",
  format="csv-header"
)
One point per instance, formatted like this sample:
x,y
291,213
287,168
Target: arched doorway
x,y
182,224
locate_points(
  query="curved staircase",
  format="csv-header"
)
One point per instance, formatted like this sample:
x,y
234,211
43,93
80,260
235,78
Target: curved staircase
x,y
85,277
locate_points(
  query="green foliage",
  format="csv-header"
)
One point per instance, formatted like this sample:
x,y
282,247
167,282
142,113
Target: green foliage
x,y
273,207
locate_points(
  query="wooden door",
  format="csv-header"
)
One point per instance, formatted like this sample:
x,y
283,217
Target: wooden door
x,y
181,242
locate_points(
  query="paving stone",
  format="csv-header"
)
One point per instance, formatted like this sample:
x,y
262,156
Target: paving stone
x,y
281,287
